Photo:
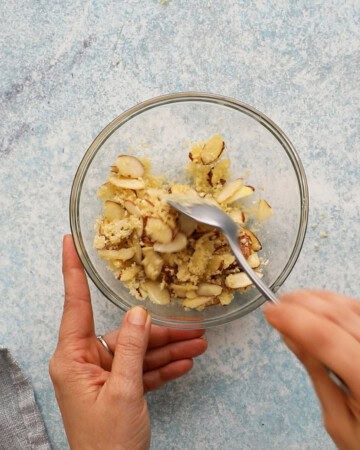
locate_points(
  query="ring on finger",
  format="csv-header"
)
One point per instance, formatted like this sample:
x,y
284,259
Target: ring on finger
x,y
102,341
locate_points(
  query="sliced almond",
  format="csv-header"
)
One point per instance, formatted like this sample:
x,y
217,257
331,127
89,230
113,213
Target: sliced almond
x,y
243,192
158,231
102,228
254,260
245,245
153,263
149,202
155,193
212,149
187,225
226,296
258,273
195,153
229,190
264,210
156,294
194,303
146,250
113,211
178,244
140,228
209,289
127,183
191,294
238,280
214,301
129,167
228,260
138,253
238,216
255,243
132,208
124,254
181,290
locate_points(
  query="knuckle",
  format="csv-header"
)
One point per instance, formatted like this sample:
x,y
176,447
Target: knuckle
x,y
64,375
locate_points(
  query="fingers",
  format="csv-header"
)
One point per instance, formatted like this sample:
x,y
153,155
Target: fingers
x,y
338,309
127,367
159,336
77,321
111,338
320,338
162,356
334,297
158,356
156,378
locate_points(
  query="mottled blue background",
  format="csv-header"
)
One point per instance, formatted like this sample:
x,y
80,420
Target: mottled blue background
x,y
67,69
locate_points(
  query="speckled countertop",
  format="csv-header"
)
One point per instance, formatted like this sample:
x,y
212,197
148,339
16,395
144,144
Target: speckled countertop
x,y
67,69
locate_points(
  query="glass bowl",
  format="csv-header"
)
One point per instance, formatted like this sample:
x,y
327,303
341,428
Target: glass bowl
x,y
160,129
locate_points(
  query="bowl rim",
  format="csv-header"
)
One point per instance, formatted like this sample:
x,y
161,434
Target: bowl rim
x,y
177,98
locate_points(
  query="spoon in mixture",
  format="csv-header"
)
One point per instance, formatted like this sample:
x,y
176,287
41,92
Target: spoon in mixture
x,y
206,212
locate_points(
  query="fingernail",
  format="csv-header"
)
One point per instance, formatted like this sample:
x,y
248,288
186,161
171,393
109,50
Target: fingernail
x,y
137,316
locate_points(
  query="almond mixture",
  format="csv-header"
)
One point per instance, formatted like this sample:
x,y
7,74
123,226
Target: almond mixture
x,y
164,256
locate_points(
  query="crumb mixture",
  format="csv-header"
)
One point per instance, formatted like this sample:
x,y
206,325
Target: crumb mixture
x,y
165,256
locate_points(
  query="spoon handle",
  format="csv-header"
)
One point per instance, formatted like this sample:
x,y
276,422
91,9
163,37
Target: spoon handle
x,y
269,295
240,258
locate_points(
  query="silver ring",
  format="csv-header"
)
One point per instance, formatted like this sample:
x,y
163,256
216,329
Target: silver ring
x,y
104,344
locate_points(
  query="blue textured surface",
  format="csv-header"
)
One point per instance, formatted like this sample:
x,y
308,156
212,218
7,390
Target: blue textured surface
x,y
67,69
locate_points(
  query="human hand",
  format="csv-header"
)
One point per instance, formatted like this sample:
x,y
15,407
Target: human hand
x,y
323,330
101,398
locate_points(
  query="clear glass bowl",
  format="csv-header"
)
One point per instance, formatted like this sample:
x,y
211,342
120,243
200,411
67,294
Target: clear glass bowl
x,y
160,129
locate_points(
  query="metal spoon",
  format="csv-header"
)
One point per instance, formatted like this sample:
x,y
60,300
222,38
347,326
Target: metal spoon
x,y
205,212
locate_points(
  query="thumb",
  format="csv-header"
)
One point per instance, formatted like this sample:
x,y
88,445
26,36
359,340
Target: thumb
x,y
130,349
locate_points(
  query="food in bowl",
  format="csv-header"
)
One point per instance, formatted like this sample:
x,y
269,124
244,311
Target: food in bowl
x,y
163,255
